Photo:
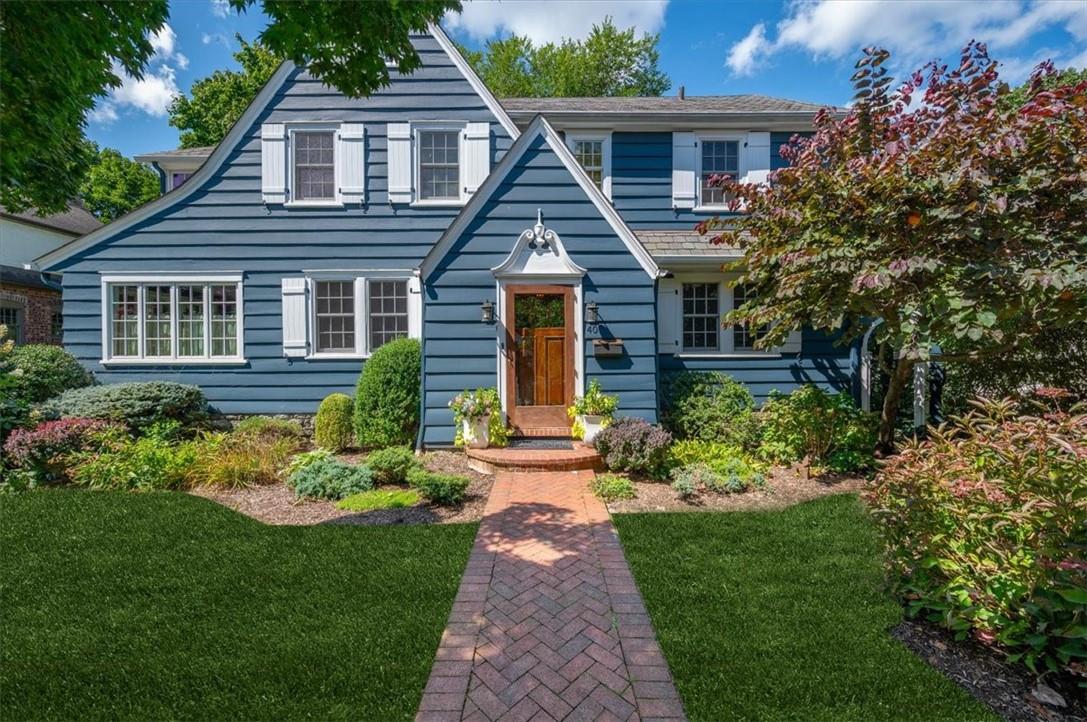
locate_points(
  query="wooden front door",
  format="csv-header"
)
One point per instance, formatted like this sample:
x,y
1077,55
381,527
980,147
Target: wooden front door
x,y
540,367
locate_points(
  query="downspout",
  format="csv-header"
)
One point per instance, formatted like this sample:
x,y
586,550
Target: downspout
x,y
422,362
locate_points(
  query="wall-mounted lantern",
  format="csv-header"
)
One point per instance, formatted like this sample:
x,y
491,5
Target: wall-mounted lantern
x,y
486,311
592,313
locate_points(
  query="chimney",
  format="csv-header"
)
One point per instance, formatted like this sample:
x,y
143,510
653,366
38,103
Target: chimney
x,y
682,92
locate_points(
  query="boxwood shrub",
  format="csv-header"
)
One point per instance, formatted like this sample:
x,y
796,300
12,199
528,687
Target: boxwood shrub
x,y
392,465
332,427
137,404
387,396
440,489
45,371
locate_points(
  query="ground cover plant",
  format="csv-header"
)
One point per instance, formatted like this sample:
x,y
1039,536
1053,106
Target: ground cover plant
x,y
611,487
782,615
376,499
985,526
331,479
167,606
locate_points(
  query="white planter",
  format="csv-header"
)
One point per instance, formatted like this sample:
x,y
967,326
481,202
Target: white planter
x,y
592,425
476,433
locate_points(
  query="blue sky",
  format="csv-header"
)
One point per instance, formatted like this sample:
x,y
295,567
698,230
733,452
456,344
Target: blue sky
x,y
803,50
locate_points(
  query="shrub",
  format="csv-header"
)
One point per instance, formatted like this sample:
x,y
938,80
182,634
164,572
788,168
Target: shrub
x,y
137,404
710,406
611,487
330,479
684,487
985,526
241,459
41,450
269,427
332,428
379,499
387,397
440,489
13,407
45,371
122,463
594,403
826,429
634,445
730,468
301,461
391,465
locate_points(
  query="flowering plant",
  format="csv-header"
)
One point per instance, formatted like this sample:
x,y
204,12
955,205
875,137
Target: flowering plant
x,y
41,450
472,405
594,403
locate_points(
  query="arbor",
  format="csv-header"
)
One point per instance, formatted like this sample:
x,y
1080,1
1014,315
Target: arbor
x,y
114,185
219,100
609,62
961,221
59,57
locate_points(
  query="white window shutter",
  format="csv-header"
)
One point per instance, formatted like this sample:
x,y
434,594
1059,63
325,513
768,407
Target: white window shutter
x,y
792,343
295,316
399,162
757,157
273,163
668,316
351,159
477,156
415,308
684,163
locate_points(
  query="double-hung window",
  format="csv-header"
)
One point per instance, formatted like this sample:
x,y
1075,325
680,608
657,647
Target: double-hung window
x,y
592,151
703,301
355,316
719,157
314,166
743,336
335,316
439,165
172,320
701,316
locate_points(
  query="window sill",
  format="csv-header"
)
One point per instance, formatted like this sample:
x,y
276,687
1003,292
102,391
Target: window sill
x,y
313,204
231,361
728,355
438,204
714,209
337,356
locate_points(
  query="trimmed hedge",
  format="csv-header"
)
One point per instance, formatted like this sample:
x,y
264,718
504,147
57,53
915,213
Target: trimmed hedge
x,y
332,428
387,397
137,404
43,371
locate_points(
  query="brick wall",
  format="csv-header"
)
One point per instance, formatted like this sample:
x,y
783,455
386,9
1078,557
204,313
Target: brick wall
x,y
37,305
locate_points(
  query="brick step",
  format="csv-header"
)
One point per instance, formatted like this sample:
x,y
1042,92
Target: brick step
x,y
581,457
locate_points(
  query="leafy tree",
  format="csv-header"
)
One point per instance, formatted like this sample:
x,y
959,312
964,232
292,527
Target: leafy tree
x,y
219,100
609,62
114,185
961,222
59,57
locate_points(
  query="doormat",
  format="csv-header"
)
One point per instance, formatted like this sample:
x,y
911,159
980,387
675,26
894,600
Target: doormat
x,y
542,444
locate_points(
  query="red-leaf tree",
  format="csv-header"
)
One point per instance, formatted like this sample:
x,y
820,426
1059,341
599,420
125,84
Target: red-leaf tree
x,y
959,220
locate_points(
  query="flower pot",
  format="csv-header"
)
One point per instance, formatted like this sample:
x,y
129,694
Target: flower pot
x,y
592,423
476,432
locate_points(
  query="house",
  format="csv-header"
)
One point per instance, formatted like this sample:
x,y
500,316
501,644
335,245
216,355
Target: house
x,y
531,245
30,304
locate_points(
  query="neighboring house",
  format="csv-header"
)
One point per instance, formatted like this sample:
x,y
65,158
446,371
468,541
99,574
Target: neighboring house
x,y
175,166
29,299
530,245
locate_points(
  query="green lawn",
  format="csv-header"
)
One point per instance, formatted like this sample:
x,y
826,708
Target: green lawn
x,y
781,615
162,605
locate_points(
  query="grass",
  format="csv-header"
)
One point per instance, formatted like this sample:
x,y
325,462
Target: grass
x,y
782,615
379,499
167,606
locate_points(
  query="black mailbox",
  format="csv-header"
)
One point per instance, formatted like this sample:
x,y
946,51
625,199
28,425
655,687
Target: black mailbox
x,y
607,348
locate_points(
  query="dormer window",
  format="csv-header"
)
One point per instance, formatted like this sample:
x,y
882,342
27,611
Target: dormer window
x,y
439,165
315,165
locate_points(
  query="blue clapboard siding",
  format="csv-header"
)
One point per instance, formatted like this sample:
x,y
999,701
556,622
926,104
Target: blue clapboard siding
x,y
460,351
225,227
641,166
820,362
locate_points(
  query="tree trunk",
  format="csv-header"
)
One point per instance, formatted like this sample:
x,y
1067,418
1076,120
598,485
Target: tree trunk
x,y
899,380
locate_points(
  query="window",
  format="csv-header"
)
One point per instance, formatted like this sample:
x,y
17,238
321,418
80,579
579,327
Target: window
x,y
701,316
314,165
178,179
743,337
186,319
335,316
388,311
593,154
439,165
11,315
719,157
56,327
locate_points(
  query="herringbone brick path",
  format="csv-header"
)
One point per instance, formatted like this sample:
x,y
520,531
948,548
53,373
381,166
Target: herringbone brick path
x,y
548,623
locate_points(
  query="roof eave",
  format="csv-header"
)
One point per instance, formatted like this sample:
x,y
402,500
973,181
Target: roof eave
x,y
773,120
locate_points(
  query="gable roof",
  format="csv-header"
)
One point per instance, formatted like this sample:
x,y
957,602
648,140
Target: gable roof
x,y
538,127
75,220
220,153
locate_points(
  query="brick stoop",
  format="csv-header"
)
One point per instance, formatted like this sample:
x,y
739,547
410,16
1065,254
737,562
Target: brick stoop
x,y
489,461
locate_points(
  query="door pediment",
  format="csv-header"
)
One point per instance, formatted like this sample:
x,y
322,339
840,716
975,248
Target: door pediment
x,y
539,253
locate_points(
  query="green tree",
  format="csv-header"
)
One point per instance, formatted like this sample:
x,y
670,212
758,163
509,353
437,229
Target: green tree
x,y
609,62
114,185
218,100
59,57
961,222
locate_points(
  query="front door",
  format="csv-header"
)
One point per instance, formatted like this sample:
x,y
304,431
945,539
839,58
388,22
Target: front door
x,y
540,368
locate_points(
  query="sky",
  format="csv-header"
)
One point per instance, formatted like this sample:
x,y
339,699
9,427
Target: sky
x,y
800,49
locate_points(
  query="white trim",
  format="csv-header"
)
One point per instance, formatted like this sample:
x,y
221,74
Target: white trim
x,y
726,339
604,136
169,200
474,80
741,154
540,126
866,366
536,237
168,277
361,284
313,126
448,126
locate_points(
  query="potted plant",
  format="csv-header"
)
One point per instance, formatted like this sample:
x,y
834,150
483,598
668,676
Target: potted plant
x,y
472,412
592,412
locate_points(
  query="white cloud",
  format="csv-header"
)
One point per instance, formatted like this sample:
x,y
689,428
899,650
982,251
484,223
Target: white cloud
x,y
151,94
218,38
220,8
103,113
552,20
744,55
913,30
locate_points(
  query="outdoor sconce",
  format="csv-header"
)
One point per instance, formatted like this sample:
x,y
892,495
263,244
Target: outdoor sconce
x,y
592,313
487,311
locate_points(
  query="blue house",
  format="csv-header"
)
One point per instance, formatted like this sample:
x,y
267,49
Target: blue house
x,y
530,244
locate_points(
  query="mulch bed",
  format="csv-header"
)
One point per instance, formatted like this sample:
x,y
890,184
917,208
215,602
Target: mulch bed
x,y
1008,690
276,503
784,487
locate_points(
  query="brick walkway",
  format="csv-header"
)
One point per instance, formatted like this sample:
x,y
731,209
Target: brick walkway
x,y
548,623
